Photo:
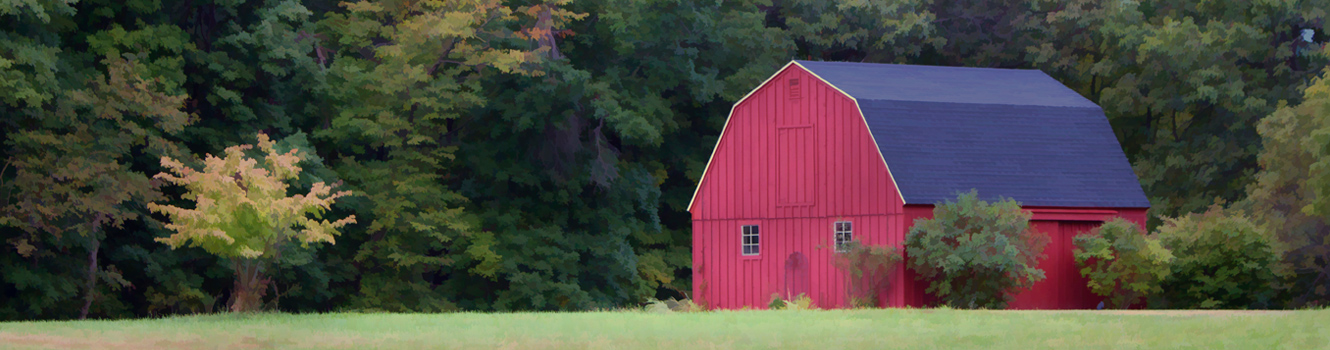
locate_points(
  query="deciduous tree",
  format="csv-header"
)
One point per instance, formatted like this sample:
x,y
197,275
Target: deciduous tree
x,y
71,169
1290,196
242,212
407,77
595,161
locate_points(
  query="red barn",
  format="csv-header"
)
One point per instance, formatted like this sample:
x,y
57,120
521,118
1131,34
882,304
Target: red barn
x,y
828,151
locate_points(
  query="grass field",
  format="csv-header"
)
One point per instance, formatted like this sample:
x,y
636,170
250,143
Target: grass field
x,y
835,329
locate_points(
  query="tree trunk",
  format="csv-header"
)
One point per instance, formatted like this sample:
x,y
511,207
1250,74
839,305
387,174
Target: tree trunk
x,y
92,278
250,286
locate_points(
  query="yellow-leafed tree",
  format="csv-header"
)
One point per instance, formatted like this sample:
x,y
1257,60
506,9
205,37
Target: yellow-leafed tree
x,y
242,212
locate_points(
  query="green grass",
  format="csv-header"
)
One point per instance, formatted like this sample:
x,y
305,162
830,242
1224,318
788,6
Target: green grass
x,y
836,329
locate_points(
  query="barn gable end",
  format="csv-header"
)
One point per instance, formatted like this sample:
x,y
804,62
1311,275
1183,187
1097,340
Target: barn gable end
x,y
795,158
793,147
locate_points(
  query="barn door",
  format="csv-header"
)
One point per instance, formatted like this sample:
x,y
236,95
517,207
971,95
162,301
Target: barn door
x,y
1062,287
796,162
1077,293
1045,294
796,276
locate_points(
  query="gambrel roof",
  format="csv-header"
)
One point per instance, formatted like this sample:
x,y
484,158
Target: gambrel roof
x,y
1005,132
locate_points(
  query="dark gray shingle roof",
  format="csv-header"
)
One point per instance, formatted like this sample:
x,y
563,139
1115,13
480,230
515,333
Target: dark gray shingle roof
x,y
1005,132
900,82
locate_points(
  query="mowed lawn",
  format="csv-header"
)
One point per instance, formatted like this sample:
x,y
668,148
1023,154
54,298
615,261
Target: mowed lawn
x,y
810,329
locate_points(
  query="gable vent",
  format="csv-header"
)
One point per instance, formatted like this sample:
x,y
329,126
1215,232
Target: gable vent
x,y
794,88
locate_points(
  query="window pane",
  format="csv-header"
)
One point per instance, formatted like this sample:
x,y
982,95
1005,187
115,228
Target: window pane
x,y
750,240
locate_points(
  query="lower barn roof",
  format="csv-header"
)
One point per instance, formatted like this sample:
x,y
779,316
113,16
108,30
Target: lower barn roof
x,y
1038,155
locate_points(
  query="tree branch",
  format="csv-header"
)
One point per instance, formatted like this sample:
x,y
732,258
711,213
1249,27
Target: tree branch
x,y
443,57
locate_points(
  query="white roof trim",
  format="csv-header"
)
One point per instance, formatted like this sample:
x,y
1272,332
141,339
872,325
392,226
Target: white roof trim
x,y
701,180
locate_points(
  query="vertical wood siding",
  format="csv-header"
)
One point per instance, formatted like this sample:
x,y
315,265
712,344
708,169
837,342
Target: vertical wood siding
x,y
794,166
803,157
726,279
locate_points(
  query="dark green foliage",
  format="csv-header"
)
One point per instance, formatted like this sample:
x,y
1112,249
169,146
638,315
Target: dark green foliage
x,y
102,88
1122,264
870,269
1290,194
976,254
1222,261
587,169
1194,80
75,180
541,154
400,94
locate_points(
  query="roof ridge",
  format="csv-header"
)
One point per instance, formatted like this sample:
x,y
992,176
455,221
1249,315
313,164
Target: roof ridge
x,y
980,103
926,65
945,84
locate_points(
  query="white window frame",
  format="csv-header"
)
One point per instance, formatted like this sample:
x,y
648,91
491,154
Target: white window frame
x,y
755,233
842,234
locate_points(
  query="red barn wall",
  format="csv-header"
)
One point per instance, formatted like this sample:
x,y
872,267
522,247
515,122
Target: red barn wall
x,y
794,165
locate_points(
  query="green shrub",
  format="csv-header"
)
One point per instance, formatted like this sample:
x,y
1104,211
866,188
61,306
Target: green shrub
x,y
1223,260
869,269
776,302
800,302
1123,265
976,254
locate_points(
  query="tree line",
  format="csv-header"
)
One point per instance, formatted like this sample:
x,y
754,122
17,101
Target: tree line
x,y
539,155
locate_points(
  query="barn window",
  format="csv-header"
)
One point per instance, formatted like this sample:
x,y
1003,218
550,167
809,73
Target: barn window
x,y
750,240
794,88
844,234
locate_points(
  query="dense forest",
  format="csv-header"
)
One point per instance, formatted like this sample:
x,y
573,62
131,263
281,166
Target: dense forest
x,y
539,155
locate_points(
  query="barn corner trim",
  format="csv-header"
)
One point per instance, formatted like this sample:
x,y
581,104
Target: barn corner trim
x,y
702,180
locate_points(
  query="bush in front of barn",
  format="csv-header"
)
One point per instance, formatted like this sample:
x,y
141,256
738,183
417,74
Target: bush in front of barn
x,y
1122,264
976,254
1223,260
869,269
